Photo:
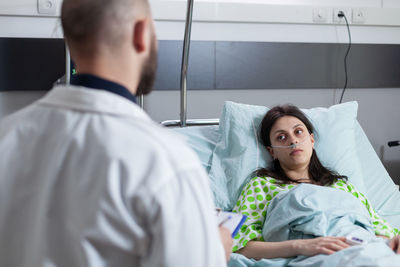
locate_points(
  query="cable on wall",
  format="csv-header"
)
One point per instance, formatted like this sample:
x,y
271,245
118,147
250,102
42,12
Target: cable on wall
x,y
342,15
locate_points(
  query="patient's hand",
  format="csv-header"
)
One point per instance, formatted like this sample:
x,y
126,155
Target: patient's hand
x,y
227,241
395,244
321,245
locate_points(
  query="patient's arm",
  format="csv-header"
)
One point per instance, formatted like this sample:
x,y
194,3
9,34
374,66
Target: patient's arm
x,y
307,247
381,226
394,244
226,240
253,202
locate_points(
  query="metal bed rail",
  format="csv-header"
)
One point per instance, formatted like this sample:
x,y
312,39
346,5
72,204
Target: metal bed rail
x,y
195,122
183,122
67,65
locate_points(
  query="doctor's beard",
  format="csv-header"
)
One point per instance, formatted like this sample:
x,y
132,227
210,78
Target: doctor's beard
x,y
149,71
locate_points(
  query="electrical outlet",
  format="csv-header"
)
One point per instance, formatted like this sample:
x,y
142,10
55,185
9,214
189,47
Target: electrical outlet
x,y
359,15
47,7
340,20
320,15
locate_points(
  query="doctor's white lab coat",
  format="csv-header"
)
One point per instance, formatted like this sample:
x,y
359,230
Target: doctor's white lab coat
x,y
87,179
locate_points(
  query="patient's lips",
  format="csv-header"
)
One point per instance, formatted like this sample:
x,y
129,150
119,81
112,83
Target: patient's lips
x,y
296,151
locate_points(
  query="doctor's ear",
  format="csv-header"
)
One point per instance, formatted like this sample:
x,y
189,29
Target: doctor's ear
x,y
142,35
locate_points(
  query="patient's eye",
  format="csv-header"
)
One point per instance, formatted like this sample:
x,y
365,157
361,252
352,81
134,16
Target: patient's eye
x,y
299,131
281,137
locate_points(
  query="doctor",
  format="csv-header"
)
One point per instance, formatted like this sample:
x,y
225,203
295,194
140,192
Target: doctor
x,y
87,179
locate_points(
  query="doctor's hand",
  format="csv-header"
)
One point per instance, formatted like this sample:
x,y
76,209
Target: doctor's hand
x,y
320,245
226,240
394,244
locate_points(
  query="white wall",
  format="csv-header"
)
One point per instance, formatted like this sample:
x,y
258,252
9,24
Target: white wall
x,y
391,3
30,27
279,21
364,3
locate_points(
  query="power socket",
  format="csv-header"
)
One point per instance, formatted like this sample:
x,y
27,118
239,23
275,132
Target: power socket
x,y
359,15
320,15
340,20
47,7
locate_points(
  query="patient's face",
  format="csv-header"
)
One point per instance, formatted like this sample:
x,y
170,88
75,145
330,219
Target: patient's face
x,y
286,131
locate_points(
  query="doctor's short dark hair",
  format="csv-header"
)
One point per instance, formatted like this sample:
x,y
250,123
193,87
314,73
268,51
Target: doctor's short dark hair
x,y
317,172
86,22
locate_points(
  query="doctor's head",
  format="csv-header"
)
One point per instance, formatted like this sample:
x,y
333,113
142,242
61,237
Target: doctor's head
x,y
113,39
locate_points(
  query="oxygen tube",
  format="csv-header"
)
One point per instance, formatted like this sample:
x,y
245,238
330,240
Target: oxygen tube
x,y
292,145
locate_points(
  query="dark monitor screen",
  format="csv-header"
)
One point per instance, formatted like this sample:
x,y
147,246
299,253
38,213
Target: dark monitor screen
x,y
28,64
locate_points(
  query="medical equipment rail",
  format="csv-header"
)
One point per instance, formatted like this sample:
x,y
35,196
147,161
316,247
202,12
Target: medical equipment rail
x,y
183,122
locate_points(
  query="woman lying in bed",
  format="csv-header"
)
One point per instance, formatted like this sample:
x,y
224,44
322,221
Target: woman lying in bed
x,y
288,136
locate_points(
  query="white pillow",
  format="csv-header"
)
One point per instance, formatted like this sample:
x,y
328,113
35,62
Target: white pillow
x,y
238,152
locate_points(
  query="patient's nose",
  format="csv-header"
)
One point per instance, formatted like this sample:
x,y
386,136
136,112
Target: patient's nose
x,y
292,139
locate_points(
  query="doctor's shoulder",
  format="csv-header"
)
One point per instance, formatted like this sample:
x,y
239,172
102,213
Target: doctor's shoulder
x,y
16,117
149,139
173,145
155,156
